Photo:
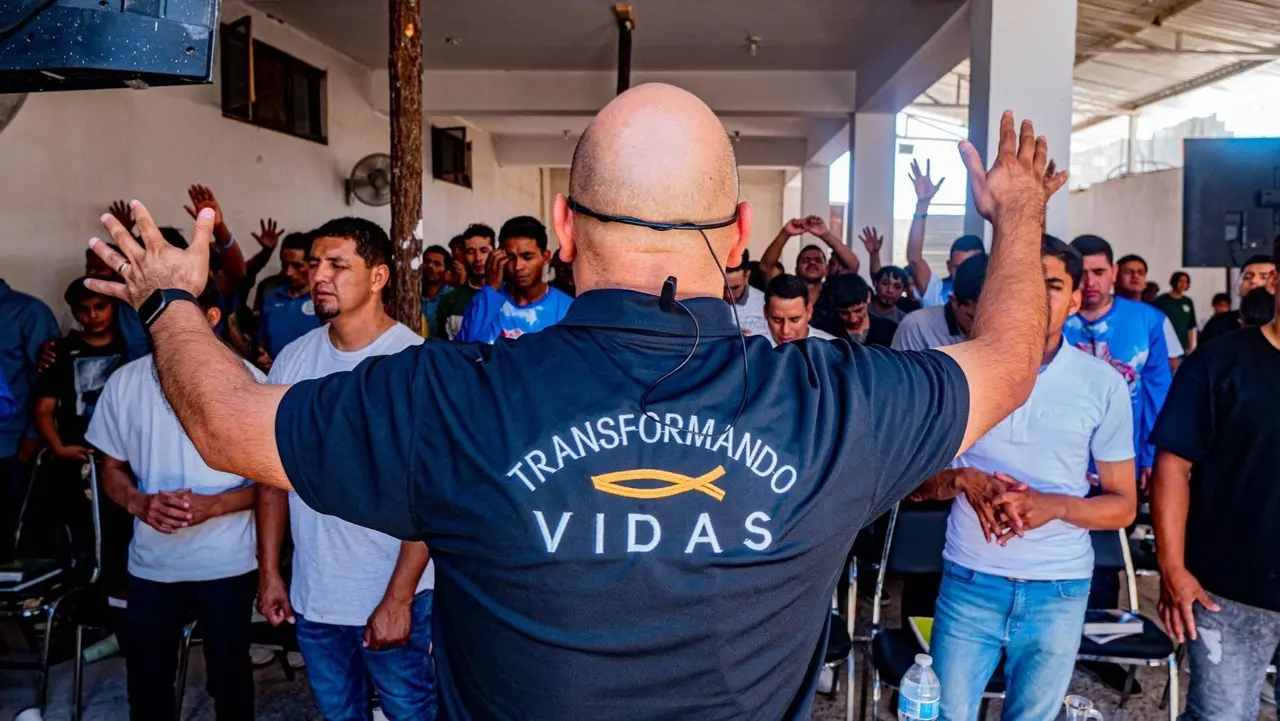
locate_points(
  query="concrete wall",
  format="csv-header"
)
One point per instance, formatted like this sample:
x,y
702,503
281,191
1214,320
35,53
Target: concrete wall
x,y
1142,214
66,156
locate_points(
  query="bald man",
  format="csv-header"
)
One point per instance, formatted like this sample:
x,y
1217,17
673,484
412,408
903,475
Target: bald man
x,y
594,560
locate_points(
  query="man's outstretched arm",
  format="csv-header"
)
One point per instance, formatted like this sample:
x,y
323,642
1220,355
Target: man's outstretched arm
x,y
229,416
1002,358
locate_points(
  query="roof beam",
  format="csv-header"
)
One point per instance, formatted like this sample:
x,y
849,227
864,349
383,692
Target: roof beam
x,y
480,93
1174,90
1157,20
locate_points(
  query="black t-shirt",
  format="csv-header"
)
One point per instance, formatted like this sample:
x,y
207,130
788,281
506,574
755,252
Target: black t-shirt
x,y
1220,415
1219,325
592,563
76,380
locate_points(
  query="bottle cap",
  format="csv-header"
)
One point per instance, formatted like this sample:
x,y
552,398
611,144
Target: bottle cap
x,y
924,659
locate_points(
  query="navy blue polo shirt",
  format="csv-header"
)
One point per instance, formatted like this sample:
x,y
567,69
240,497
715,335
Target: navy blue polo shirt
x,y
592,562
285,319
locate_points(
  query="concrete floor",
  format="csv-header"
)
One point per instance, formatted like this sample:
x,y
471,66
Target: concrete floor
x,y
282,700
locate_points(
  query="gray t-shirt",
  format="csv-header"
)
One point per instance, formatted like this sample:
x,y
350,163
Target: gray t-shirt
x,y
928,328
895,314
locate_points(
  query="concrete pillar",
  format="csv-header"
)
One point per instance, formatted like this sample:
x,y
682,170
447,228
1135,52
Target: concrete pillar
x,y
815,190
872,148
1022,57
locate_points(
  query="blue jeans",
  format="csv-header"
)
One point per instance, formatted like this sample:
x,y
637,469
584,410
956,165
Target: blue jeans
x,y
1231,649
1037,626
338,664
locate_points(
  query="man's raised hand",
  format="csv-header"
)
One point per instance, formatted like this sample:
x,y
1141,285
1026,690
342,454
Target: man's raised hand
x,y
201,198
1019,180
872,239
120,209
795,226
924,185
269,234
158,265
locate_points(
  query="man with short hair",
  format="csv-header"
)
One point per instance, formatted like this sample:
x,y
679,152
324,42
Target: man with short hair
x,y
192,554
1221,303
477,245
515,298
788,312
1131,277
1015,587
26,326
362,599
848,298
1180,309
811,263
935,327
748,302
1214,501
890,283
435,266
1258,271
607,549
1128,335
288,310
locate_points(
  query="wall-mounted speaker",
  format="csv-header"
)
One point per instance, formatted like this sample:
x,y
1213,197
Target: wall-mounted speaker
x,y
92,44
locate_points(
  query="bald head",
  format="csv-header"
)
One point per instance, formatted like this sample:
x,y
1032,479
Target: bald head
x,y
658,153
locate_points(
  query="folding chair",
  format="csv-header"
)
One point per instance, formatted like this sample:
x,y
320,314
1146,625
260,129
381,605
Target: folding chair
x,y
1152,647
893,650
40,601
840,638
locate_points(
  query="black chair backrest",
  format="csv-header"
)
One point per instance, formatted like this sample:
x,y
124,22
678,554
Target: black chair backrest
x,y
1108,554
918,539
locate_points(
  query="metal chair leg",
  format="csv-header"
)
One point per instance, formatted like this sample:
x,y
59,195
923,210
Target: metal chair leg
x,y
1127,690
183,656
1174,700
77,684
863,678
51,613
983,708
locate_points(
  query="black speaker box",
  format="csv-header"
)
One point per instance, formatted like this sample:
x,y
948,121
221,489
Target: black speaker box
x,y
1230,200
92,44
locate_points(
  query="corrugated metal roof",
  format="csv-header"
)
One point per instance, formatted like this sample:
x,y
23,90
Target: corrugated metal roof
x,y
1134,53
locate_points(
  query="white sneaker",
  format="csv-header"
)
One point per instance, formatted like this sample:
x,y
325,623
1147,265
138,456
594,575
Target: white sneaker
x,y
261,655
1269,692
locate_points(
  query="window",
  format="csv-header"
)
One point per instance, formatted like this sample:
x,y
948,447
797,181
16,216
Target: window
x,y
268,87
451,156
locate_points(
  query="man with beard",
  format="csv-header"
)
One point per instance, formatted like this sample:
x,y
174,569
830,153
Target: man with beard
x,y
1131,283
477,245
843,312
361,599
515,298
811,264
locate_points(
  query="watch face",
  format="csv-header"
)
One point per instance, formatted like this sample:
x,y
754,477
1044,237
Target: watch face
x,y
150,308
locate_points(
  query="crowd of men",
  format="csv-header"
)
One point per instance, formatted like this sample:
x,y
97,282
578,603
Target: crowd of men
x,y
1107,416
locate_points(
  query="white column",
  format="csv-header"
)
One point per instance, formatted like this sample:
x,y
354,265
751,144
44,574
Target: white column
x,y
815,190
1022,58
872,148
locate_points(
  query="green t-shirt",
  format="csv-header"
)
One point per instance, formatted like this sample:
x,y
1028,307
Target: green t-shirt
x,y
449,313
1182,314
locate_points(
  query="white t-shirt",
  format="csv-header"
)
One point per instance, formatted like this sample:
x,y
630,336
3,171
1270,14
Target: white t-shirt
x,y
1079,408
751,313
340,570
935,292
813,333
133,422
1171,339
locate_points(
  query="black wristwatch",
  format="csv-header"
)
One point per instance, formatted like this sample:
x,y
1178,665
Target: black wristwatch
x,y
157,302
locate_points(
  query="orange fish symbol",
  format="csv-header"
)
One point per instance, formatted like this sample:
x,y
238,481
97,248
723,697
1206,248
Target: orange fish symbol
x,y
677,483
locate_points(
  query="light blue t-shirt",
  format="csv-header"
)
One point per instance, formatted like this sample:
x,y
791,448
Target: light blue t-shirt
x,y
493,314
1078,409
1131,337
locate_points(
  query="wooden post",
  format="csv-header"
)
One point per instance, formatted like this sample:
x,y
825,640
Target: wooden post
x,y
405,65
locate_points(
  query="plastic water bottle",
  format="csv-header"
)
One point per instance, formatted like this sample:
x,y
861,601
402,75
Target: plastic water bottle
x,y
919,692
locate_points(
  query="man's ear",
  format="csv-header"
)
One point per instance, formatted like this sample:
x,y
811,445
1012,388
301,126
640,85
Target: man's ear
x,y
562,219
214,316
1077,298
743,236
379,277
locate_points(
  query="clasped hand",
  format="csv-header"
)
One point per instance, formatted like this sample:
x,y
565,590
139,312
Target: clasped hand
x,y
1006,507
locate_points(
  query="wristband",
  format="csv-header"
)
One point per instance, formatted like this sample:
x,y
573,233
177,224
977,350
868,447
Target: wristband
x,y
231,240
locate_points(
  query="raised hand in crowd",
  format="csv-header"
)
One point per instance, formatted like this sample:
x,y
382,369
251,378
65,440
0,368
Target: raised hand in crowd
x,y
202,197
120,210
269,234
796,226
234,268
496,269
873,242
923,182
841,255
